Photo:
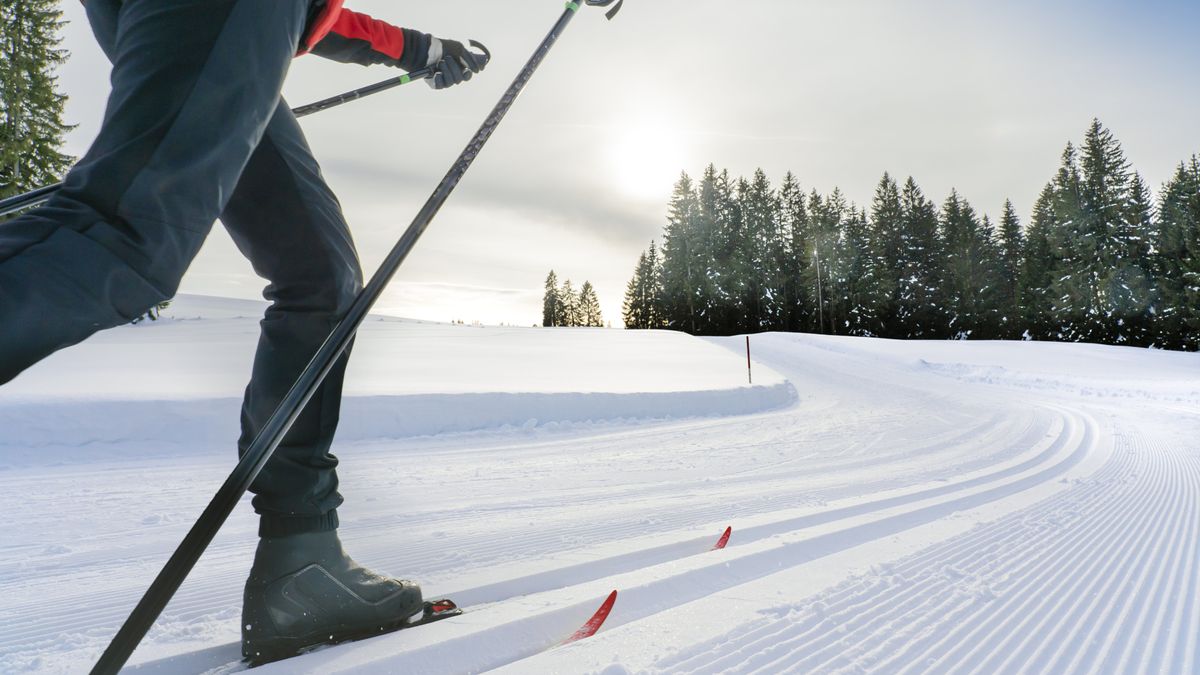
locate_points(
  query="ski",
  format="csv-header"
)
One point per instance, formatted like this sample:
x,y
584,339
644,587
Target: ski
x,y
434,610
724,539
593,624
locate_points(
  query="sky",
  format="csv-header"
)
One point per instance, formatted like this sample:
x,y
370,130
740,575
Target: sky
x,y
960,94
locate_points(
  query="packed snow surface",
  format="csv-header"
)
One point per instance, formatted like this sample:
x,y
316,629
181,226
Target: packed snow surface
x,y
183,376
897,507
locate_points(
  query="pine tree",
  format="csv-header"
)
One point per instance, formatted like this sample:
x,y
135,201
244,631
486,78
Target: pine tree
x,y
827,279
758,284
884,243
682,272
1101,288
1037,269
551,303
1130,289
792,256
633,309
1176,259
972,271
31,125
568,315
727,275
1012,247
1104,195
1072,287
859,275
589,307
655,317
711,211
919,312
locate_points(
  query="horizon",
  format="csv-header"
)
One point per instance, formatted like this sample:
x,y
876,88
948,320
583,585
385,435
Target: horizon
x,y
578,177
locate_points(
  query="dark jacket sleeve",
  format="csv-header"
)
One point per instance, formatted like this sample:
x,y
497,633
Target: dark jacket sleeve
x,y
358,38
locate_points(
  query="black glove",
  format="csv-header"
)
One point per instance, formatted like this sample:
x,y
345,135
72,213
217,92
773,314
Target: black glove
x,y
455,63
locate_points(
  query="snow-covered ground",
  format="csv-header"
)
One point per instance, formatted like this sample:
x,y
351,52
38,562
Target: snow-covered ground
x,y
180,379
897,507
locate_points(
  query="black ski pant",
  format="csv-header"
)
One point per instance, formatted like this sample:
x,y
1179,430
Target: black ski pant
x,y
195,129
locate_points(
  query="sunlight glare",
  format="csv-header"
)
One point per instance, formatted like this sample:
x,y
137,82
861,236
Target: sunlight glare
x,y
647,159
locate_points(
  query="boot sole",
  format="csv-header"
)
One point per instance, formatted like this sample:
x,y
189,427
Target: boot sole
x,y
278,649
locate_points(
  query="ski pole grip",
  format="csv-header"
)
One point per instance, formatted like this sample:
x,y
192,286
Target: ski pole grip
x,y
486,56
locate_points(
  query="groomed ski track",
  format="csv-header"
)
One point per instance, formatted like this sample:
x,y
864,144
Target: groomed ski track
x,y
901,517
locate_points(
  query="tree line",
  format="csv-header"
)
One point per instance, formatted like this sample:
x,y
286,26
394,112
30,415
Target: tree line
x,y
1099,261
562,306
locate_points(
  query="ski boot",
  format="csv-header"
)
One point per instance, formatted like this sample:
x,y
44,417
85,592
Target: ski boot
x,y
304,591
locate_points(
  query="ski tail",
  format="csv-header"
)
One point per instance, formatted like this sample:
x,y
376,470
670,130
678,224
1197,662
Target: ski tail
x,y
593,624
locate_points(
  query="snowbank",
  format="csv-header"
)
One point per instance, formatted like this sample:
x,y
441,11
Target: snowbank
x,y
1063,369
180,379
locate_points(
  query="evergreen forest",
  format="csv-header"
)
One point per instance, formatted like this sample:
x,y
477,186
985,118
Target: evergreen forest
x,y
1098,260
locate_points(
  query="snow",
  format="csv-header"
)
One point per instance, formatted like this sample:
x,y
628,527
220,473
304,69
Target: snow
x,y
183,376
896,506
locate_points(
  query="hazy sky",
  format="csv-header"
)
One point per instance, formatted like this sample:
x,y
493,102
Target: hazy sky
x,y
981,96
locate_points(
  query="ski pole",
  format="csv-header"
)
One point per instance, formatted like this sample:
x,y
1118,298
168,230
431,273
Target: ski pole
x,y
214,515
422,74
40,195
27,200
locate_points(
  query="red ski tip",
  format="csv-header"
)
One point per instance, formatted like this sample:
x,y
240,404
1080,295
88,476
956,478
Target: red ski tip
x,y
724,539
593,624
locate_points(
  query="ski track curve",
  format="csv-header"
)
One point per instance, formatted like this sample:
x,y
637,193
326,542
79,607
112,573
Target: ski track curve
x,y
205,599
1100,578
1059,586
209,597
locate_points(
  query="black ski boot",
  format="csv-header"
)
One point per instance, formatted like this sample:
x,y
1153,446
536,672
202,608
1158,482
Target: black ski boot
x,y
305,591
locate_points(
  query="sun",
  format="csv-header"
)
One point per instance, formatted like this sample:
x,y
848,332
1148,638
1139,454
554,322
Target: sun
x,y
646,160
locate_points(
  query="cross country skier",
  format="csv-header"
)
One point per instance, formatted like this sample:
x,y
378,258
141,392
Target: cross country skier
x,y
195,129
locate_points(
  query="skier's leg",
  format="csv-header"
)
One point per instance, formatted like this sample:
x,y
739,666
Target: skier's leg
x,y
303,589
194,84
286,220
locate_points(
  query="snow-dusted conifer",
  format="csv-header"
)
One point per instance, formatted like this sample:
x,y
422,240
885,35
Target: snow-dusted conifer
x,y
551,304
1130,291
759,289
681,269
972,276
31,109
1176,259
1073,287
883,261
791,259
589,307
1011,244
920,259
1037,269
568,306
633,309
859,275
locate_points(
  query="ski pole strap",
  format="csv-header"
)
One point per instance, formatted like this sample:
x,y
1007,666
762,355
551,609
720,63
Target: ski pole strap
x,y
610,14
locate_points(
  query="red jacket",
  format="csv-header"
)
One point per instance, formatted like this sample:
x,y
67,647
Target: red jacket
x,y
350,37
